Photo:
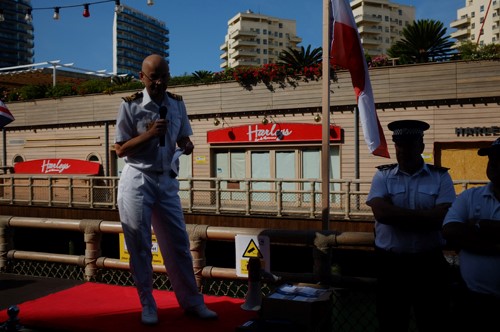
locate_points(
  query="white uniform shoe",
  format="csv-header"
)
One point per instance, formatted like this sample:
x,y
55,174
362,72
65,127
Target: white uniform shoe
x,y
149,315
202,312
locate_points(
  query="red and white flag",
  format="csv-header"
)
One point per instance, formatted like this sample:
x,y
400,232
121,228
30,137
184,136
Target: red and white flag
x,y
346,51
5,115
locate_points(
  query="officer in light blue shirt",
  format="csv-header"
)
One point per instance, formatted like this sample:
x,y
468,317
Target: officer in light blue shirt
x,y
409,201
472,226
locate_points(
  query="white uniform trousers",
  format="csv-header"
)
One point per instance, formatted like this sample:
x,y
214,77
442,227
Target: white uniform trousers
x,y
148,199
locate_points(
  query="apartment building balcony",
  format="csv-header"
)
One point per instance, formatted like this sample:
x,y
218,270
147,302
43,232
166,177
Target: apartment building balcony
x,y
240,33
368,18
371,40
461,34
223,47
460,23
245,62
243,43
224,56
373,51
295,39
370,29
244,53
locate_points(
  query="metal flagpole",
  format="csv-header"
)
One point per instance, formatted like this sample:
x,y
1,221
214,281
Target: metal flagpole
x,y
325,145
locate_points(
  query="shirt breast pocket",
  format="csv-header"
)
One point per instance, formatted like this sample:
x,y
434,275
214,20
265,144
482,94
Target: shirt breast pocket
x,y
427,195
398,194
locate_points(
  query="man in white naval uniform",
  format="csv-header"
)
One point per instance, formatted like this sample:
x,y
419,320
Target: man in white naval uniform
x,y
148,189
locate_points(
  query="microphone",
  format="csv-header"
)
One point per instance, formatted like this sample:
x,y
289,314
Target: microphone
x,y
163,115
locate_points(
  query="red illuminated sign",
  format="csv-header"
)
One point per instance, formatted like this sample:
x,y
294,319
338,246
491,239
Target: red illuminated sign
x,y
57,166
272,132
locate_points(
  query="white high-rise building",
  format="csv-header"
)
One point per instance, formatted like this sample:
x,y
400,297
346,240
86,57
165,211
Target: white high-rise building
x,y
255,40
478,22
135,36
380,23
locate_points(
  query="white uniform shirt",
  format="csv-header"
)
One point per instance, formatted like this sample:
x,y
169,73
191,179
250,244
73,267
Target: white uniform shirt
x,y
136,116
481,273
423,190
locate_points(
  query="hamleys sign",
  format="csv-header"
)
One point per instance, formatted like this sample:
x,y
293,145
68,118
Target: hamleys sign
x,y
272,132
57,166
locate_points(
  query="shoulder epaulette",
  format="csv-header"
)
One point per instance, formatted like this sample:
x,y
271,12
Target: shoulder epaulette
x,y
174,96
438,168
386,167
133,97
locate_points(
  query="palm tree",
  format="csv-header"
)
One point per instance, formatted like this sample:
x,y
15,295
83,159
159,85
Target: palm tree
x,y
298,59
201,75
122,79
423,41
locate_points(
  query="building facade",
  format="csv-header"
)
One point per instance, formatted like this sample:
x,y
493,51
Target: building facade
x,y
262,134
135,36
16,33
478,22
380,23
255,40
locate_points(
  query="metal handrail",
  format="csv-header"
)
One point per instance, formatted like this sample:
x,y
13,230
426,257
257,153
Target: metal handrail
x,y
91,229
270,197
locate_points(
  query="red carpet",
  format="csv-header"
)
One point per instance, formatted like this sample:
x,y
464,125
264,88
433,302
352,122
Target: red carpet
x,y
101,307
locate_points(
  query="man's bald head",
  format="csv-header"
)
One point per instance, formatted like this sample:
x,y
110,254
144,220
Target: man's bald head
x,y
155,74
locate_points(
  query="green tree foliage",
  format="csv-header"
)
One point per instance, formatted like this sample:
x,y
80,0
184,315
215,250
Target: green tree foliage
x,y
121,79
471,51
203,75
423,41
301,58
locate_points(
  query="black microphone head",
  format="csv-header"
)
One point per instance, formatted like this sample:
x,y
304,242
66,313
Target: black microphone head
x,y
163,112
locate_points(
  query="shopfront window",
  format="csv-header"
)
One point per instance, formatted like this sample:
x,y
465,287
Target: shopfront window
x,y
290,166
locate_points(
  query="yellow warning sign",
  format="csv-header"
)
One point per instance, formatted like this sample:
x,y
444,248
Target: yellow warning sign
x,y
252,250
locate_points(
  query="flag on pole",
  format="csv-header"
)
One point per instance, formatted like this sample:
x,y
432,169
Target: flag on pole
x,y
346,51
5,115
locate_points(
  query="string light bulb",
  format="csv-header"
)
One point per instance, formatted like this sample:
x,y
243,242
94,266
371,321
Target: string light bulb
x,y
28,18
86,11
2,17
56,13
151,2
265,121
216,122
317,118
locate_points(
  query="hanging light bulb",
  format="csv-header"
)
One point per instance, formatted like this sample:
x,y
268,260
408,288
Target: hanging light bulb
x,y
56,13
28,18
216,122
86,12
265,121
317,118
151,2
2,17
118,6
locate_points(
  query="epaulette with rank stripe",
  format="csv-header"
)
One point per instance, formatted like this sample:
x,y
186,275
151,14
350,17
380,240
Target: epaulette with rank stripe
x,y
386,167
133,97
174,96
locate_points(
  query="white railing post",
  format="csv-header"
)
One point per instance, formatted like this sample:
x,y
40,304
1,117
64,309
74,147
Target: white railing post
x,y
279,197
217,196
190,195
248,197
348,200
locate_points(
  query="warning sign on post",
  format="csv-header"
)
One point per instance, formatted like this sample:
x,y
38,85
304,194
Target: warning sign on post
x,y
155,250
251,246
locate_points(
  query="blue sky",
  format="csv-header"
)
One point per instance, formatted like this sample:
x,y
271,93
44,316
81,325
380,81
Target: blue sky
x,y
197,27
